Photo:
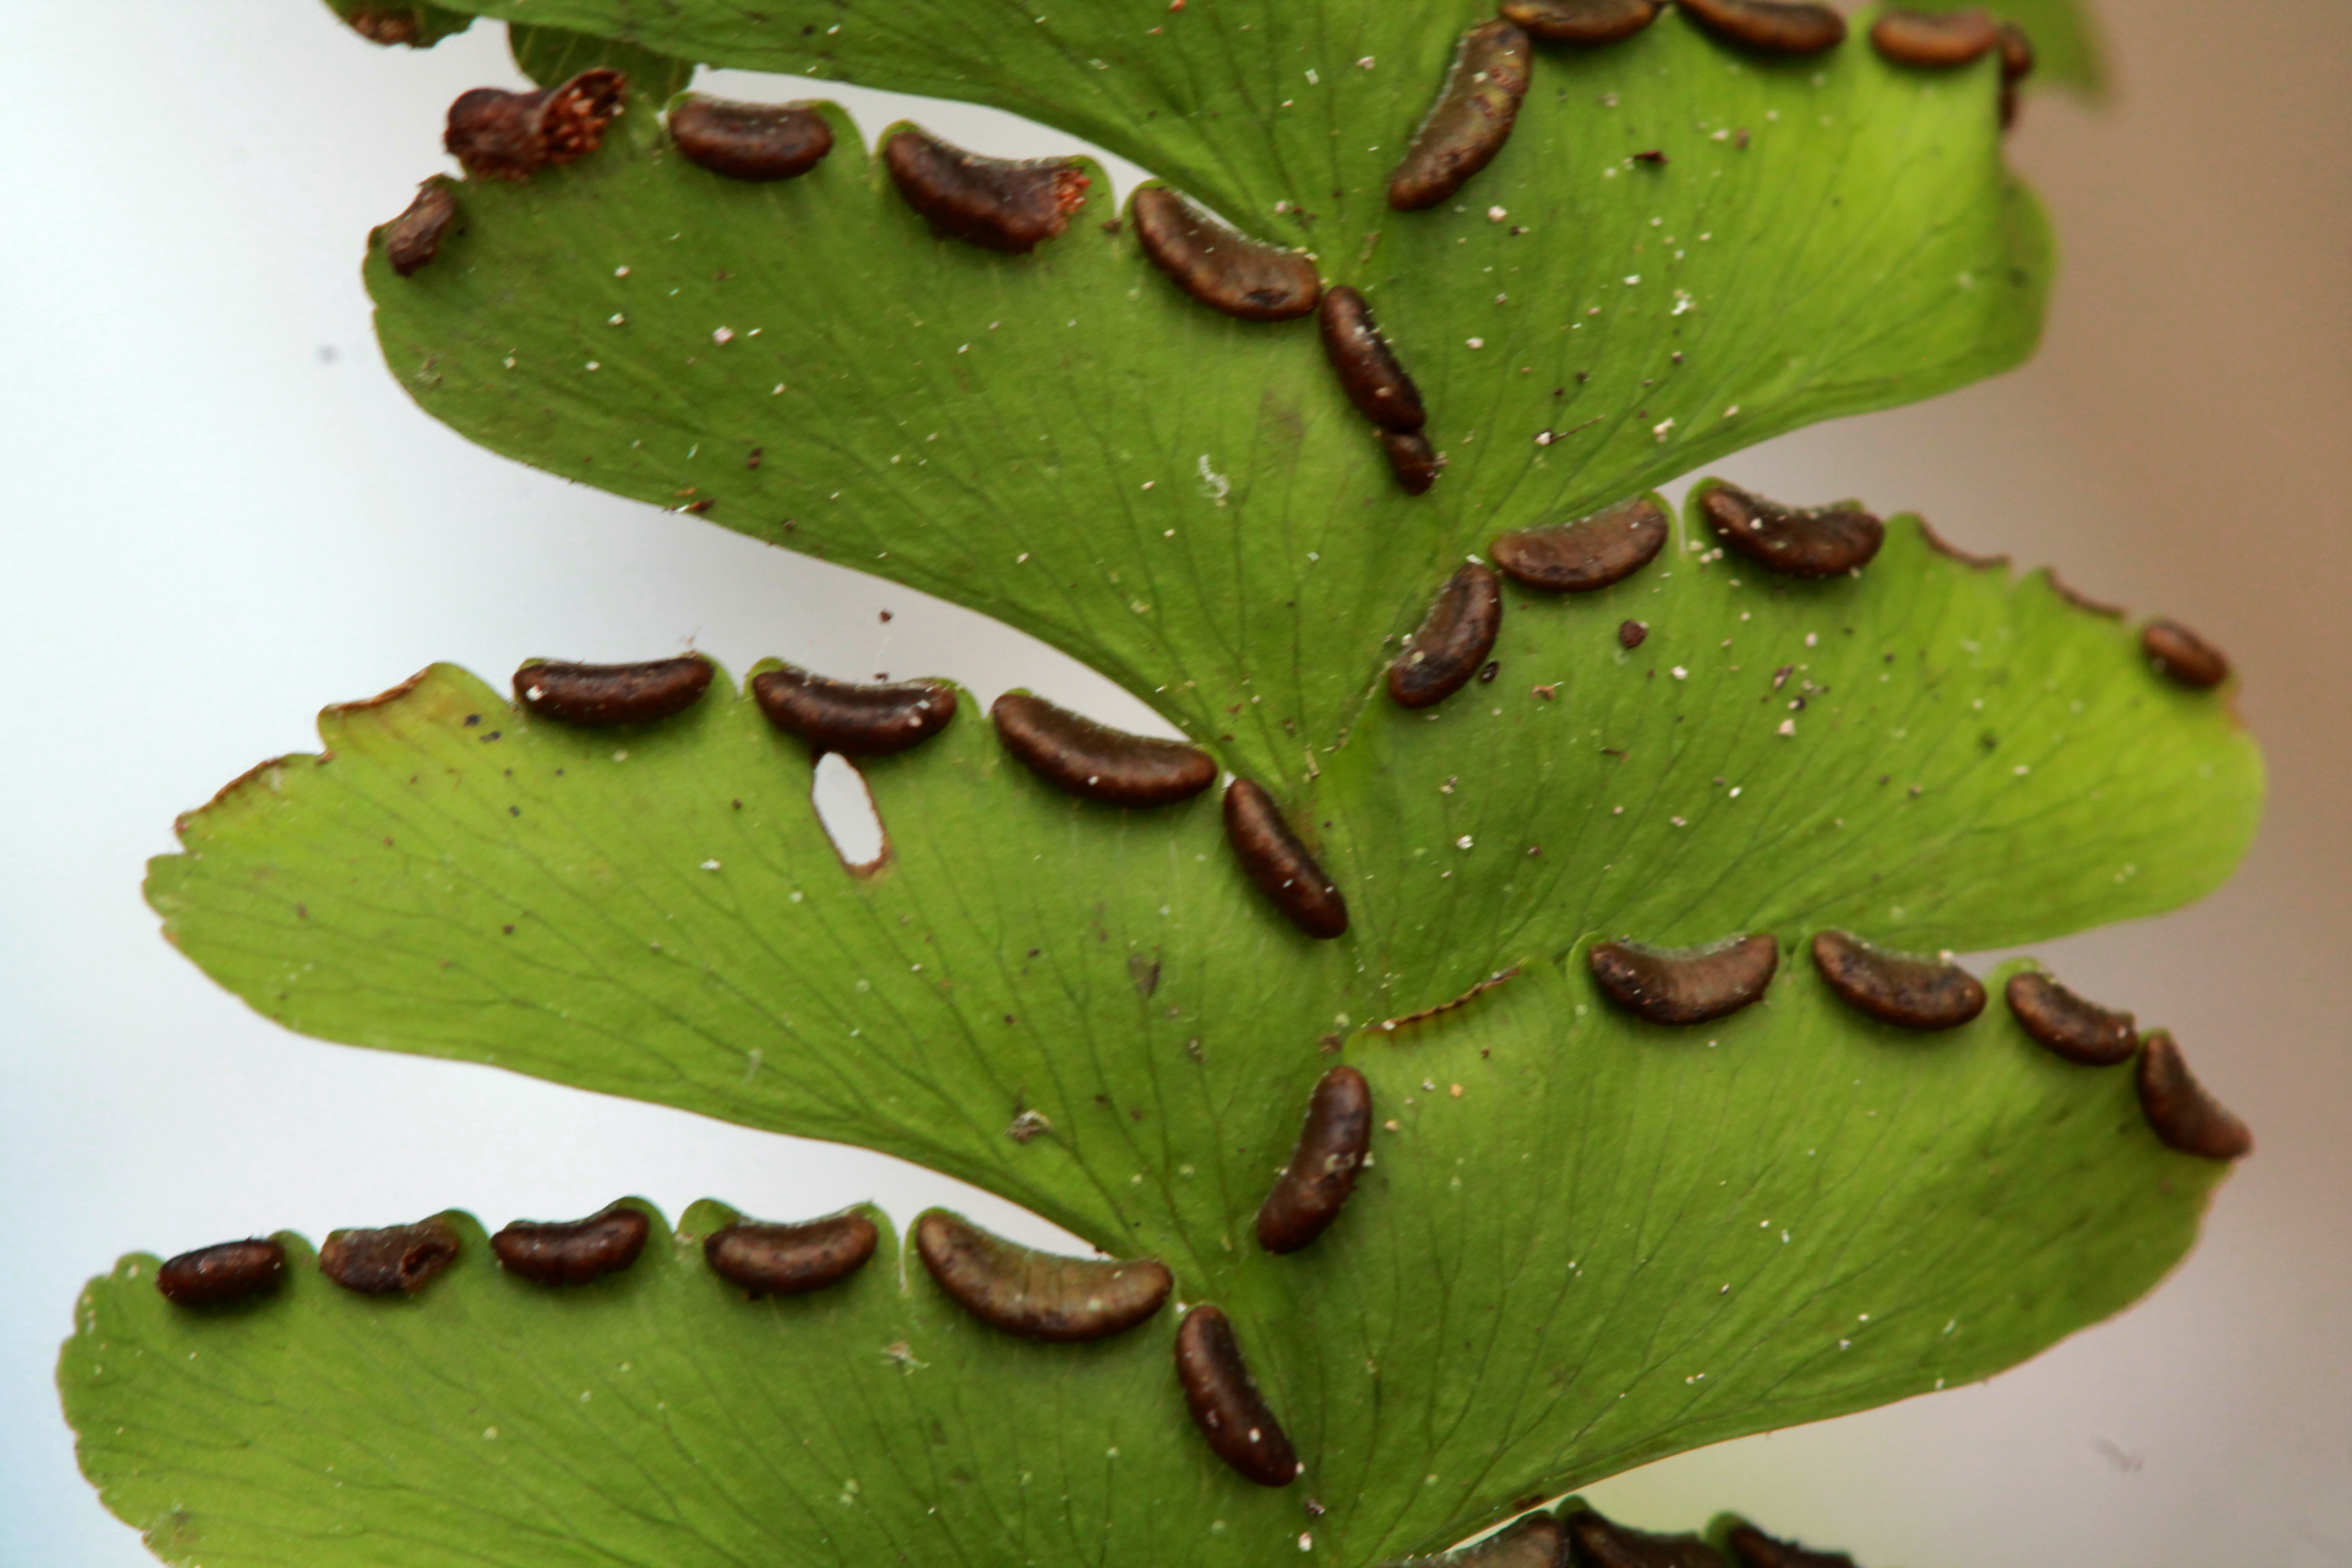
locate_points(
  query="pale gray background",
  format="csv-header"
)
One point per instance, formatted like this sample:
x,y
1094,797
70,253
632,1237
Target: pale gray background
x,y
220,513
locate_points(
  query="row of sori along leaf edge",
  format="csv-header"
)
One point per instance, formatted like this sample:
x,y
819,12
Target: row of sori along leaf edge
x,y
1013,206
1035,1295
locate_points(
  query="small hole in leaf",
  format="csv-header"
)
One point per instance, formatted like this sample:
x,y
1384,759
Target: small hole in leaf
x,y
847,812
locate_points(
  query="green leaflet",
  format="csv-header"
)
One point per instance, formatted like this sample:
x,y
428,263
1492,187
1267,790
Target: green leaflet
x,y
656,913
671,944
1528,1290
1186,502
1246,103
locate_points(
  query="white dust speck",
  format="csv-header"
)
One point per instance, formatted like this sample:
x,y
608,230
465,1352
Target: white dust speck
x,y
710,865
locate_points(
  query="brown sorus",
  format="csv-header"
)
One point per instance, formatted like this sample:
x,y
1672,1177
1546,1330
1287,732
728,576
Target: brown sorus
x,y
789,1259
999,204
1753,1549
1590,553
414,238
853,719
1631,635
2184,1114
497,134
397,1259
1038,1295
1686,984
1452,641
1586,22
2016,65
1096,761
1818,541
1594,1541
1279,864
612,693
1226,1405
2016,54
1935,40
1412,459
1773,26
226,1271
573,1252
1308,1194
1222,269
1897,987
2078,1030
1368,369
757,141
1470,121
2183,656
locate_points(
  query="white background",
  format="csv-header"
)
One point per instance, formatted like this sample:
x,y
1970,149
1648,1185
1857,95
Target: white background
x,y
217,513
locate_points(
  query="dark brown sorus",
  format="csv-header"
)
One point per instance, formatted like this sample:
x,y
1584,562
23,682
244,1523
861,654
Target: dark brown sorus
x,y
2184,1115
1038,1295
1686,984
2078,1030
1586,22
2183,657
1452,642
412,239
1471,119
1413,461
1594,1541
1096,761
1226,1405
1751,1548
1311,1190
1769,26
500,135
1631,635
1224,270
612,693
573,1252
1000,203
1588,554
1897,987
396,1259
1819,542
1935,40
2016,65
2016,54
227,1271
856,721
758,141
791,1259
1368,369
1279,864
